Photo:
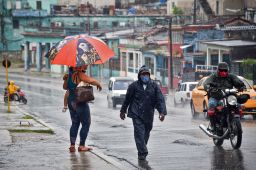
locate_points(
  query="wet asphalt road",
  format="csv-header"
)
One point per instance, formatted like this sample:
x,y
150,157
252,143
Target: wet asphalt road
x,y
176,143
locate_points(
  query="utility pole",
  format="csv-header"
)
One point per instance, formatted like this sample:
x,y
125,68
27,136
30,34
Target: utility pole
x,y
194,13
170,60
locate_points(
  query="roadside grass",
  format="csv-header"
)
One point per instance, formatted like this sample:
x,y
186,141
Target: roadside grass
x,y
47,131
27,117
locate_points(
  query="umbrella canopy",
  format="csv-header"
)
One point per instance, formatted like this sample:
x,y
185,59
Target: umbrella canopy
x,y
80,50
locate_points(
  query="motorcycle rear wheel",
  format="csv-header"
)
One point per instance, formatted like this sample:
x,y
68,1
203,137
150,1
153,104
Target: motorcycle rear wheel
x,y
6,99
236,134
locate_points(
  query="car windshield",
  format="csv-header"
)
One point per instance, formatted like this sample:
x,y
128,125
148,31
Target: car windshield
x,y
122,85
192,86
246,84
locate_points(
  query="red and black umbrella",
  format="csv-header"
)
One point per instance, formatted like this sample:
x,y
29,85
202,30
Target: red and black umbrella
x,y
80,50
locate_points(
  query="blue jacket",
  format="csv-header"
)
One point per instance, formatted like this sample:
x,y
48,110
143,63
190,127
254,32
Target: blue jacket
x,y
142,103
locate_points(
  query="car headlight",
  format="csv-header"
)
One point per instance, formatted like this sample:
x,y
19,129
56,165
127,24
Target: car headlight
x,y
232,100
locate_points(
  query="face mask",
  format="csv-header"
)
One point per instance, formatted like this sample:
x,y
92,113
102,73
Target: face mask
x,y
223,73
144,78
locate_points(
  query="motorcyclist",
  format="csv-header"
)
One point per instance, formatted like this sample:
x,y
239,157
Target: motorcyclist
x,y
12,89
222,79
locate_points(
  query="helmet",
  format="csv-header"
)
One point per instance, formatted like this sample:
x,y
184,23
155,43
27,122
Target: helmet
x,y
12,83
223,69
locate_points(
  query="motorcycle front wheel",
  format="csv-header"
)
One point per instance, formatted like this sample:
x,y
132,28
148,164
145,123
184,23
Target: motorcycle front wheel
x,y
24,100
217,142
236,134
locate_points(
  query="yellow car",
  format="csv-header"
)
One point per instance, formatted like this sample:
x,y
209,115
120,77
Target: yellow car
x,y
199,100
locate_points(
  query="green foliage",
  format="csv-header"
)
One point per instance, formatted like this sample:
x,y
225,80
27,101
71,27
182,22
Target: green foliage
x,y
177,11
249,61
247,67
48,131
27,117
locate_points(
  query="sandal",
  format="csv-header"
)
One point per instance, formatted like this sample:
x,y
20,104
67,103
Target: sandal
x,y
64,109
84,148
72,148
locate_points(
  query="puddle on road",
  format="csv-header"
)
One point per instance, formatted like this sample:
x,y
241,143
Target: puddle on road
x,y
186,142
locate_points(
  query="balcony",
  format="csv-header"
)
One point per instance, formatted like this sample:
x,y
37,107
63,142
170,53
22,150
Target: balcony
x,y
29,13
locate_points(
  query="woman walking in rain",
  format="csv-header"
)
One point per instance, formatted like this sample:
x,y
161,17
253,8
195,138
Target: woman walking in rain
x,y
79,112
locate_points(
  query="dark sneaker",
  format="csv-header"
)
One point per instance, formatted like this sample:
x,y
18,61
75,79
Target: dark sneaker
x,y
142,157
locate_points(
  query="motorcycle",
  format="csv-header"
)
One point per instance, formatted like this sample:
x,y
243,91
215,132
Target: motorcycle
x,y
19,96
226,118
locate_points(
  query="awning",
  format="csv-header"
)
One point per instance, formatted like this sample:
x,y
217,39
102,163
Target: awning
x,y
185,46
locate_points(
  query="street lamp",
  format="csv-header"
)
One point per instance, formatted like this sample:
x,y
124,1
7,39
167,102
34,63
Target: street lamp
x,y
170,61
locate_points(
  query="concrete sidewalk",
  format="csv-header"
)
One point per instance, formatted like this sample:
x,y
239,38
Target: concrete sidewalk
x,y
29,143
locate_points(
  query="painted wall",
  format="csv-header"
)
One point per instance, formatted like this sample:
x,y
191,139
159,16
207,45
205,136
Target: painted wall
x,y
227,4
45,4
95,3
185,5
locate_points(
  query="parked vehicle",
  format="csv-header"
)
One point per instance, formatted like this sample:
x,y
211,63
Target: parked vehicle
x,y
183,93
227,118
19,96
164,89
117,88
199,100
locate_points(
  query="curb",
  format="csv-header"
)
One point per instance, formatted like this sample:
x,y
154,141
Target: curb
x,y
36,119
95,151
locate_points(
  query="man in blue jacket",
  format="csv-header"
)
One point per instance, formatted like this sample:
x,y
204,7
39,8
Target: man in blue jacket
x,y
142,97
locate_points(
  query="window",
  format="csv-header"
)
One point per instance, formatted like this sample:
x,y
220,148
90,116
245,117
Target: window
x,y
16,24
150,63
123,61
38,5
122,85
130,62
18,4
173,4
192,86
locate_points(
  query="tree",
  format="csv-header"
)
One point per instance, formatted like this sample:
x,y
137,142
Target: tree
x,y
177,11
249,69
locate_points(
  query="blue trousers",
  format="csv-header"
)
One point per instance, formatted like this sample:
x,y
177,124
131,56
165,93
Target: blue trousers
x,y
212,103
141,135
80,114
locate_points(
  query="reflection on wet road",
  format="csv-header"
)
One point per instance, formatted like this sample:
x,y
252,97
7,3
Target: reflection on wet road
x,y
176,143
227,159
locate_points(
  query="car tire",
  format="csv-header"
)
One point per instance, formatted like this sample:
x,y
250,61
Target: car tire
x,y
174,102
193,112
109,104
182,102
114,104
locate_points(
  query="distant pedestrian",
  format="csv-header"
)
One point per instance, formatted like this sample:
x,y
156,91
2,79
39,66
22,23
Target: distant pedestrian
x,y
79,112
142,97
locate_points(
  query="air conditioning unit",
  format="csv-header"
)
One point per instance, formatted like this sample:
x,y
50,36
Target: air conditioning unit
x,y
58,24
